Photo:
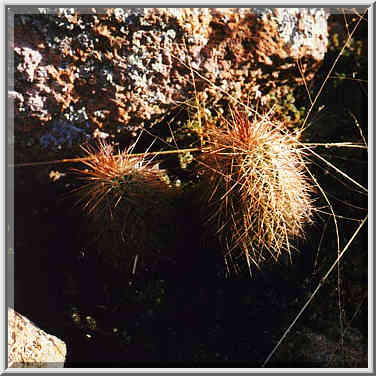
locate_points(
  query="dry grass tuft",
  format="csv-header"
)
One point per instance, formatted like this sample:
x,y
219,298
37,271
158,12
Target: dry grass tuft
x,y
112,177
131,206
259,194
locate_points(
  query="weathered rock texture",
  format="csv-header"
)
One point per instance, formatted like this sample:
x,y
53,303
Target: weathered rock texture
x,y
125,68
31,347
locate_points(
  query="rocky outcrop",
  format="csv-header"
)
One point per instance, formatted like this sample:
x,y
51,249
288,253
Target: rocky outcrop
x,y
122,69
31,347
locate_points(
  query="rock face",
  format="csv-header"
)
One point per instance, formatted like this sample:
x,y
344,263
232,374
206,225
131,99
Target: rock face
x,y
124,68
31,347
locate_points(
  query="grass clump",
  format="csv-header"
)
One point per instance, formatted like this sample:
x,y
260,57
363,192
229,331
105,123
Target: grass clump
x,y
258,193
112,177
130,203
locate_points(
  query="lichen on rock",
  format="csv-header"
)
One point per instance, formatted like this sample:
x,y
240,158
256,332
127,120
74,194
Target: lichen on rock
x,y
129,67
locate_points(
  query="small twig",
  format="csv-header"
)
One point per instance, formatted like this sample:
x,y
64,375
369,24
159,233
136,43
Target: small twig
x,y
135,265
305,82
359,128
348,78
315,264
337,144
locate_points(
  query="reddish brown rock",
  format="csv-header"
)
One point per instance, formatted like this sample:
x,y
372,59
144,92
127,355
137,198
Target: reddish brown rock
x,y
126,67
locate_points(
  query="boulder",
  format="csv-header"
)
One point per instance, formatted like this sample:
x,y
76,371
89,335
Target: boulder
x,y
31,347
122,69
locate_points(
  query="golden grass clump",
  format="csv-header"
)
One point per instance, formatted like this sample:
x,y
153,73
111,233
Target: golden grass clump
x,y
112,177
258,192
130,202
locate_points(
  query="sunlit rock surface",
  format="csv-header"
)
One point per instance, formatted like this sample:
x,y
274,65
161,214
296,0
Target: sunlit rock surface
x,y
31,347
126,68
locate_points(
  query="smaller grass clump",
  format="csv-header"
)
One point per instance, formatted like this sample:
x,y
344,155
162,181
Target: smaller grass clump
x,y
112,177
130,202
258,193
